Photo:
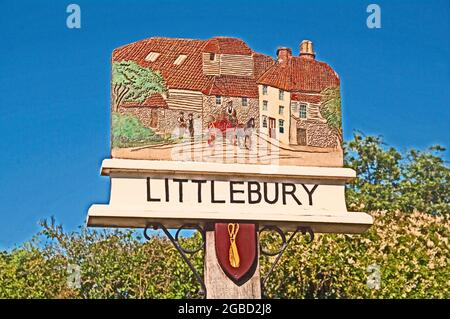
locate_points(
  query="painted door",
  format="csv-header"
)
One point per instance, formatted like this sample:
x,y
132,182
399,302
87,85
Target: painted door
x,y
154,120
301,136
272,127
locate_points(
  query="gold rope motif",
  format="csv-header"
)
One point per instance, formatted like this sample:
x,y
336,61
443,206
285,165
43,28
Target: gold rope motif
x,y
234,254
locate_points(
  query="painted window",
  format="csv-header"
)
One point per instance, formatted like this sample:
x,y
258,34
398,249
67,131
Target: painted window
x,y
281,110
180,59
294,107
244,101
152,56
218,99
281,95
281,126
264,121
264,89
265,105
302,111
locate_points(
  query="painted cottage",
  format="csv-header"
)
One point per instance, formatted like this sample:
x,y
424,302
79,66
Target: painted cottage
x,y
285,97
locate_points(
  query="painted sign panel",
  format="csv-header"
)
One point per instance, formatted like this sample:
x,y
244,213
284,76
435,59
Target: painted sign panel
x,y
217,100
210,131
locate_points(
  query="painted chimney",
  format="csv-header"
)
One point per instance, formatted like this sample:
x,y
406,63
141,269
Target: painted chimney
x,y
284,54
306,50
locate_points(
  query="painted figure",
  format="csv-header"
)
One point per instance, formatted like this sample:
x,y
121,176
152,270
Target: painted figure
x,y
230,111
181,125
249,127
198,126
190,125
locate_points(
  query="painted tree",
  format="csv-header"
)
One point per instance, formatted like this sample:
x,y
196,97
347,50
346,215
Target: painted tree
x,y
331,110
133,83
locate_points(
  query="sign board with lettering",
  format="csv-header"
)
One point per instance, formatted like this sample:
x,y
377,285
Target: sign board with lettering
x,y
177,193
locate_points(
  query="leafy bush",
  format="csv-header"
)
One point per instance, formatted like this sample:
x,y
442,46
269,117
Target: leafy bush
x,y
389,181
411,251
128,131
113,264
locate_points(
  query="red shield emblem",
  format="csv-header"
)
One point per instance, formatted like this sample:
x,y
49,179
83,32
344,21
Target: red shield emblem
x,y
236,250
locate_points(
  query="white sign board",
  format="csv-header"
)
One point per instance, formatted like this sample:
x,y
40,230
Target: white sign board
x,y
176,193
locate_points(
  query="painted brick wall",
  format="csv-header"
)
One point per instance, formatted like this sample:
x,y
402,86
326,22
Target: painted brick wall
x,y
318,134
144,114
244,113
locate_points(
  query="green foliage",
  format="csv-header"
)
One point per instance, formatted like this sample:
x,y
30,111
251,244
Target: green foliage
x,y
133,83
128,131
331,109
411,251
388,181
377,171
113,264
425,185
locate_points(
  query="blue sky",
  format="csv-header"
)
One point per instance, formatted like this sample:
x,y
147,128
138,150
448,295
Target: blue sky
x,y
54,82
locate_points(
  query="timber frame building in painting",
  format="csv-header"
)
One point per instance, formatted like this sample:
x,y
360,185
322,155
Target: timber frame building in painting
x,y
205,79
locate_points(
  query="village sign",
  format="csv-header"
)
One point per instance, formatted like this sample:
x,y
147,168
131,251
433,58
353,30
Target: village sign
x,y
213,136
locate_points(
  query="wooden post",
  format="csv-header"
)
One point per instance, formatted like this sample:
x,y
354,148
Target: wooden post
x,y
218,285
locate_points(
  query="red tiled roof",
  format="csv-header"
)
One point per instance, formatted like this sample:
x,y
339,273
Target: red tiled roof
x,y
300,74
261,63
306,98
153,101
236,86
188,75
226,45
